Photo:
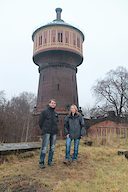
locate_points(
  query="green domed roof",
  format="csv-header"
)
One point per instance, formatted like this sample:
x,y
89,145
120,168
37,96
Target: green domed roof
x,y
57,22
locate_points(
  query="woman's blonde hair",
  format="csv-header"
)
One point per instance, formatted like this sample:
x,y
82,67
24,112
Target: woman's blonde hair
x,y
75,107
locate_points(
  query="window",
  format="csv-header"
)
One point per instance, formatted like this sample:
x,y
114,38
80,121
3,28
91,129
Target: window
x,y
78,42
66,37
36,42
60,37
74,39
53,39
58,87
53,36
45,37
40,40
45,40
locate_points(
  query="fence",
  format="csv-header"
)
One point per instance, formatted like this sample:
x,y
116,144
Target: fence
x,y
109,135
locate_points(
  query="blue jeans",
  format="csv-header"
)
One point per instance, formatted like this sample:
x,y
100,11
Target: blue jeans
x,y
68,148
46,139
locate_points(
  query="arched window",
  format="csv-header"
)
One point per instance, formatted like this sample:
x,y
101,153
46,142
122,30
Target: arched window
x,y
74,39
58,87
53,36
66,37
40,40
60,37
78,42
45,37
36,42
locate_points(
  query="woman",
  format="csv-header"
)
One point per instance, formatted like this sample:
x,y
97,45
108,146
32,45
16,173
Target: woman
x,y
74,130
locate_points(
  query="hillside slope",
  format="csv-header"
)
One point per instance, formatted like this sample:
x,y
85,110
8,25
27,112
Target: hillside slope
x,y
99,169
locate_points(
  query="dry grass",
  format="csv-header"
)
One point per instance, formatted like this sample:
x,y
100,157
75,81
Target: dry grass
x,y
99,169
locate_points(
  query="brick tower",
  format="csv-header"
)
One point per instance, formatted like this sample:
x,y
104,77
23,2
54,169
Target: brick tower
x,y
58,52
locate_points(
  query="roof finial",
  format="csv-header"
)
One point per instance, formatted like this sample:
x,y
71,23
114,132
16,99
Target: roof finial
x,y
58,13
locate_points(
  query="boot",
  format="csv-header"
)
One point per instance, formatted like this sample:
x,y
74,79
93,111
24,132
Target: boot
x,y
42,158
50,157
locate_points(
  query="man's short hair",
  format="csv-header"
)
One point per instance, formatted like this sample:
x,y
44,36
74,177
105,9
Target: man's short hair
x,y
52,100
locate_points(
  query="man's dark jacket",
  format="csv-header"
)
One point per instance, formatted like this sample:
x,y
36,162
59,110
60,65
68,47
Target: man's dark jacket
x,y
48,121
74,126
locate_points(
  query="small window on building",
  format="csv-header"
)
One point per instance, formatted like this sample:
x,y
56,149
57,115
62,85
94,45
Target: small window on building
x,y
66,37
74,39
78,42
45,37
45,40
36,42
53,39
58,87
53,36
40,40
60,37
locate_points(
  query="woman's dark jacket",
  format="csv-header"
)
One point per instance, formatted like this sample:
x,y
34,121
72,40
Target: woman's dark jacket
x,y
74,126
48,121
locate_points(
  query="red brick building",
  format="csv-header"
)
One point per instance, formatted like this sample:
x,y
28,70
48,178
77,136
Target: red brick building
x,y
108,126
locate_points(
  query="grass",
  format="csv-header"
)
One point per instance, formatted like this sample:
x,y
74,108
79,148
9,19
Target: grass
x,y
99,169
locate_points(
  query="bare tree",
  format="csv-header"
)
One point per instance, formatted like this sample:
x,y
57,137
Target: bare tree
x,y
2,98
16,121
95,111
2,114
113,90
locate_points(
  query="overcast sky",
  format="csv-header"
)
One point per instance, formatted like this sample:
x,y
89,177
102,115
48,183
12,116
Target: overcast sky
x,y
103,22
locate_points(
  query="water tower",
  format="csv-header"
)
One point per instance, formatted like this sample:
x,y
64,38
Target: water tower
x,y
58,51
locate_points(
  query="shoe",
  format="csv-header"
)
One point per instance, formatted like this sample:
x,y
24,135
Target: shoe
x,y
74,161
67,162
50,164
42,166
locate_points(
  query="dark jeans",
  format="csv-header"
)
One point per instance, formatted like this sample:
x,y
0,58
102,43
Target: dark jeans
x,y
68,148
46,139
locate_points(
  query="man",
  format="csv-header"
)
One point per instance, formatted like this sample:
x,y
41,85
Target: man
x,y
48,123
